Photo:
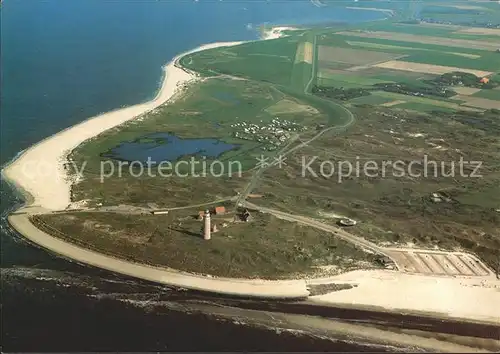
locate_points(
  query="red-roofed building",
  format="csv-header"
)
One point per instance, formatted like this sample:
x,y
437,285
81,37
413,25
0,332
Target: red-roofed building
x,y
220,210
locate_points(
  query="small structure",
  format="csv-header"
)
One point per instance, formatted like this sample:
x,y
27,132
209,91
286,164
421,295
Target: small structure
x,y
220,210
484,80
207,227
214,228
246,216
385,262
347,222
436,198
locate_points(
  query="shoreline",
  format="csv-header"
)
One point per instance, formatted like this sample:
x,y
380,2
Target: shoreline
x,y
52,151
51,193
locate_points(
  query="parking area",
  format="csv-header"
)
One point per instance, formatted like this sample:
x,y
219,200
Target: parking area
x,y
439,263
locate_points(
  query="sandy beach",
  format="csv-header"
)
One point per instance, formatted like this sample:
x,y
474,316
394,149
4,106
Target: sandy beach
x,y
39,170
277,32
459,297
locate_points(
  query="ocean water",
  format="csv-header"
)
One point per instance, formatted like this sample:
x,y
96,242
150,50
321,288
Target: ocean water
x,y
62,62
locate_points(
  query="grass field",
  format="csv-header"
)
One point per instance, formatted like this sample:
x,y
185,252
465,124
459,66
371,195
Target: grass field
x,y
415,99
351,56
277,79
488,94
209,110
353,80
423,107
270,61
266,247
400,206
371,99
427,68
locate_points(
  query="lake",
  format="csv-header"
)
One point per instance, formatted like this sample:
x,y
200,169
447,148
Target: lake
x,y
160,147
62,62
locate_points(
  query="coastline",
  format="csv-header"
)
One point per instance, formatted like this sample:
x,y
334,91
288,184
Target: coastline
x,y
53,193
51,189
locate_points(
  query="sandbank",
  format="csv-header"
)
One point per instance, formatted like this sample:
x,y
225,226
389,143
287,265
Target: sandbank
x,y
39,173
456,297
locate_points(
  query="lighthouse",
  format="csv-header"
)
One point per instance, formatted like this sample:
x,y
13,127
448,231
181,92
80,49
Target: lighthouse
x,y
207,228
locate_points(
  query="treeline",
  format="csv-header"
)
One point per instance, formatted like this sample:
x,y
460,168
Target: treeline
x,y
411,90
340,93
345,94
458,78
438,87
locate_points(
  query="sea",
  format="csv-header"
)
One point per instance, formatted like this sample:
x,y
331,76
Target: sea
x,y
64,61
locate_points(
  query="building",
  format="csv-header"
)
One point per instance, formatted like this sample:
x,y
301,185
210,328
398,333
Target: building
x,y
220,210
347,222
484,80
207,227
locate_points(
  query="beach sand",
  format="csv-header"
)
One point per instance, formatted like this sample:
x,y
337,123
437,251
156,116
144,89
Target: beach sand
x,y
277,32
39,171
459,297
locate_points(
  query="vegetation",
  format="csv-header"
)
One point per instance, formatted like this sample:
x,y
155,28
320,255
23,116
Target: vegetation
x,y
413,90
296,96
339,93
464,79
398,209
266,247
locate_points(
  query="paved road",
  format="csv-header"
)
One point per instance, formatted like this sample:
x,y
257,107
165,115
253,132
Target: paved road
x,y
341,233
285,153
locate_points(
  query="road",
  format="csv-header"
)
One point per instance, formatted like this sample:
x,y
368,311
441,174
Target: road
x,y
284,152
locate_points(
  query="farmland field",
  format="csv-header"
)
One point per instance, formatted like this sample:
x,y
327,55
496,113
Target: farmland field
x,y
422,100
351,56
488,94
423,107
427,68
480,102
451,42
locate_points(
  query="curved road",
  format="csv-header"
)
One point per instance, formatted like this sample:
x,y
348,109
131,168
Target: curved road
x,y
358,241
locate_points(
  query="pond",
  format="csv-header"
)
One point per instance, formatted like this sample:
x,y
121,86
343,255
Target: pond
x,y
168,147
226,96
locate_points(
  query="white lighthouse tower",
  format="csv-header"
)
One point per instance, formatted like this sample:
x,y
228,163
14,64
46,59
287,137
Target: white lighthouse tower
x,y
207,228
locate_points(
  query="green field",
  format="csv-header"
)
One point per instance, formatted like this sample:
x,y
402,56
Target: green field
x,y
347,80
423,107
314,93
267,247
371,99
270,61
489,94
416,99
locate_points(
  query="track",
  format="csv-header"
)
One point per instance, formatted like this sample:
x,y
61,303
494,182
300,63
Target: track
x,y
358,241
284,152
